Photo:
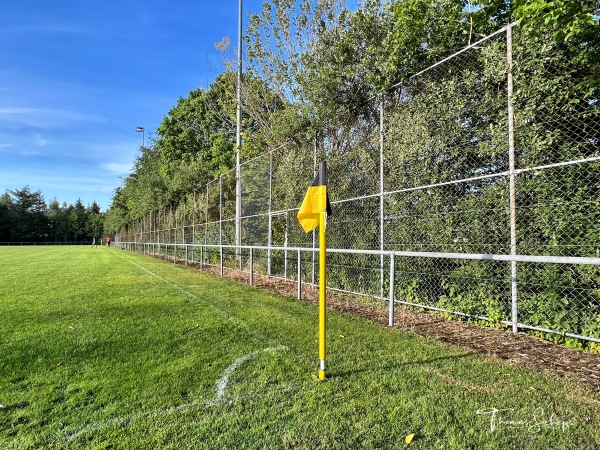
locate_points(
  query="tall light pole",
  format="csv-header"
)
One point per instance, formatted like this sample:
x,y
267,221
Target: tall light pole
x,y
141,130
238,171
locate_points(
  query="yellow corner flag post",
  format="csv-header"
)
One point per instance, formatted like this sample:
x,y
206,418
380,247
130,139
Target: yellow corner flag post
x,y
313,212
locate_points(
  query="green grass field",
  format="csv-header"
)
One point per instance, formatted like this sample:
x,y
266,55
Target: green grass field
x,y
101,348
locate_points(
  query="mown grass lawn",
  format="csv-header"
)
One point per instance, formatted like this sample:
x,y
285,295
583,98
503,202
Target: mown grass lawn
x,y
101,348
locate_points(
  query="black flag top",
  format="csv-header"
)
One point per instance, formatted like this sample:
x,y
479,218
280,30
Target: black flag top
x,y
315,201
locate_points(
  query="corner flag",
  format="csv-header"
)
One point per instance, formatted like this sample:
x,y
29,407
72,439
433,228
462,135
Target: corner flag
x,y
311,215
315,201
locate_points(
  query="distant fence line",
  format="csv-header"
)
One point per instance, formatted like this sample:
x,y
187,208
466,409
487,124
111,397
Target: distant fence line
x,y
26,243
473,156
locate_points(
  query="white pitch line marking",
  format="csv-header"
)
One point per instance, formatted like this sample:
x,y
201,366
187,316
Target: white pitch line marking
x,y
224,314
220,388
224,380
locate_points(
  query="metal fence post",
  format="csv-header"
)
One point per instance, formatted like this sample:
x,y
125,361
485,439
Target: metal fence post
x,y
285,252
221,257
193,221
381,188
221,217
314,233
251,266
270,230
512,193
299,276
206,218
392,282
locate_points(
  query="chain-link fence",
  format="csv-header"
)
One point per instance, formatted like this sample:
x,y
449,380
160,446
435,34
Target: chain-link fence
x,y
481,173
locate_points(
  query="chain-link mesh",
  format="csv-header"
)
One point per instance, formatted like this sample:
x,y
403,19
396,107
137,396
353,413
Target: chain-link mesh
x,y
427,168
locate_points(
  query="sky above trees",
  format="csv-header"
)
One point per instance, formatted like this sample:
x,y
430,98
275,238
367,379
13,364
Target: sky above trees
x,y
77,78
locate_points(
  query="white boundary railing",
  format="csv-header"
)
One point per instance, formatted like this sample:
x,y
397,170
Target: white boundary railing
x,y
171,252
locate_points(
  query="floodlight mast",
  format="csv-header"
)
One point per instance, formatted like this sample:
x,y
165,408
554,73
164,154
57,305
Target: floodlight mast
x,y
238,172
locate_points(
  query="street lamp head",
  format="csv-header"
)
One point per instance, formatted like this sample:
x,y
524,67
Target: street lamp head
x,y
141,130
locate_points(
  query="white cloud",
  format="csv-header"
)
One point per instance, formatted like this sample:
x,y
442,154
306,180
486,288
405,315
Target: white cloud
x,y
39,140
45,28
29,153
44,118
118,168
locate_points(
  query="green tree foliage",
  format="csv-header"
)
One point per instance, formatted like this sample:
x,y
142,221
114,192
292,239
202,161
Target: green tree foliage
x,y
6,219
194,144
27,214
575,27
25,217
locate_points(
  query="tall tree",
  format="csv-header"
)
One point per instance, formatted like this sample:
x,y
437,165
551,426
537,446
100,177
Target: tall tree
x,y
78,220
29,209
6,217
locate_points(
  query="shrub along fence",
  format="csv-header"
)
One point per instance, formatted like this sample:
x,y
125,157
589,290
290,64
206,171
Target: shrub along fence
x,y
471,189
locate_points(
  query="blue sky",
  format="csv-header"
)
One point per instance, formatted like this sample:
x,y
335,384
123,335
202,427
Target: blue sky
x,y
77,77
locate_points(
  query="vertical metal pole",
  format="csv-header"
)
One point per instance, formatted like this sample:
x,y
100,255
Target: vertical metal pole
x,y
270,231
221,256
299,276
238,170
314,233
186,255
206,221
511,163
285,252
392,280
160,230
381,187
221,210
194,220
251,266
201,257
174,233
193,226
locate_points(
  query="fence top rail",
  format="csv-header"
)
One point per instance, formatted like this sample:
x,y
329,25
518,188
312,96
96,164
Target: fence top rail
x,y
469,47
408,254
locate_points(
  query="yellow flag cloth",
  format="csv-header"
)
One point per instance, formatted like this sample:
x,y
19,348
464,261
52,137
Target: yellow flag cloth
x,y
315,201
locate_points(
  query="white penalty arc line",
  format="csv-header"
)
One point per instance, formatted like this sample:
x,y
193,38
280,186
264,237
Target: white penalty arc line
x,y
224,380
220,388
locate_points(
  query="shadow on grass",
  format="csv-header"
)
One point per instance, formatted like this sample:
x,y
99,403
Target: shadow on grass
x,y
398,365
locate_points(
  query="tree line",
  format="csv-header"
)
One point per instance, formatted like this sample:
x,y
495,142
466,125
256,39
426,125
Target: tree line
x,y
26,217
